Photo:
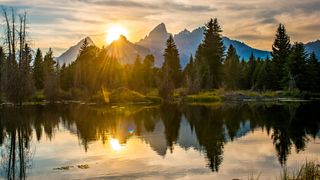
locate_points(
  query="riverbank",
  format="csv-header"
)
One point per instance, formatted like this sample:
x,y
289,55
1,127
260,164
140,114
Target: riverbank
x,y
127,96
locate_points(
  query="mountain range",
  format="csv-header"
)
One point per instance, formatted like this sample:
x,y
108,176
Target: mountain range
x,y
154,43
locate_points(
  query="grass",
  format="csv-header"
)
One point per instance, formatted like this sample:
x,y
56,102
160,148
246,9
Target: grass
x,y
204,97
124,95
310,170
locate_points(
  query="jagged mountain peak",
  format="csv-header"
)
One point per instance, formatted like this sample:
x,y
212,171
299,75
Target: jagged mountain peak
x,y
161,28
72,53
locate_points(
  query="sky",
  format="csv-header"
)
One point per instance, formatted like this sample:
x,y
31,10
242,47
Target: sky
x,y
60,24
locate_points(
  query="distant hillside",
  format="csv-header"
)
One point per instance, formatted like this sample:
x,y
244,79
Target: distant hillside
x,y
314,47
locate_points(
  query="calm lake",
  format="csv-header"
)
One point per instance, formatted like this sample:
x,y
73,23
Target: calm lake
x,y
163,142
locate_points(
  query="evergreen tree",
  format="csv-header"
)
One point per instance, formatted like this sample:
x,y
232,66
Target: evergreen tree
x,y
313,73
171,70
137,79
280,53
172,62
296,65
51,88
38,74
148,72
213,53
189,75
251,67
232,69
264,80
26,83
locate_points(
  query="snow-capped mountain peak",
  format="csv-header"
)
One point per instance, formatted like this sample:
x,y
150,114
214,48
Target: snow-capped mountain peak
x,y
72,53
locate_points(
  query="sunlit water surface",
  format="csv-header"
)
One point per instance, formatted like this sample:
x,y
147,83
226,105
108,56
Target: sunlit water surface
x,y
176,142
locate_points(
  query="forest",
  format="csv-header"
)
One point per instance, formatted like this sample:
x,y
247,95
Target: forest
x,y
29,75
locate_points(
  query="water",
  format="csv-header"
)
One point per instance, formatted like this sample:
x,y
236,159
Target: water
x,y
184,142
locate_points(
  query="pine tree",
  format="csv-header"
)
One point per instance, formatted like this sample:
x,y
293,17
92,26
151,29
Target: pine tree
x,y
189,76
38,74
212,53
148,74
172,62
296,65
313,73
252,64
264,80
232,69
280,53
171,70
51,88
25,75
137,79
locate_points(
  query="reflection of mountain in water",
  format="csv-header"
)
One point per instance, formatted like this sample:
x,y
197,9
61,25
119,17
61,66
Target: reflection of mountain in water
x,y
202,128
187,137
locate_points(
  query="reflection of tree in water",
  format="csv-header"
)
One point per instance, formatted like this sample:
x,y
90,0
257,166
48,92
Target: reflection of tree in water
x,y
170,115
208,125
288,125
16,156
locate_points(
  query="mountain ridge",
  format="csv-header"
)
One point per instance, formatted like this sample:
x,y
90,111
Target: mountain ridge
x,y
187,42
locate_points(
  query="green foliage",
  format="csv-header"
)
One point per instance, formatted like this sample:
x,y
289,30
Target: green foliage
x,y
38,96
312,74
171,71
296,66
232,69
51,83
292,93
204,97
38,74
280,53
210,55
171,64
124,95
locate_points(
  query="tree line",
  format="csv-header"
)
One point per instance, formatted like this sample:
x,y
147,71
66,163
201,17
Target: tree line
x,y
290,66
23,77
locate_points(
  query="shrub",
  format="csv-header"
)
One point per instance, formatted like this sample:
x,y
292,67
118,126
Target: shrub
x,y
124,95
204,97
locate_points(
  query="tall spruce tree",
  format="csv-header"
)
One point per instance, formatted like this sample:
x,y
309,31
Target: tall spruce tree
x,y
148,73
51,83
232,69
38,74
25,75
280,53
171,70
296,66
172,62
212,53
313,73
189,75
251,67
137,79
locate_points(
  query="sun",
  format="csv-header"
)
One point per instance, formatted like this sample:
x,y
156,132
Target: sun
x,y
114,32
115,145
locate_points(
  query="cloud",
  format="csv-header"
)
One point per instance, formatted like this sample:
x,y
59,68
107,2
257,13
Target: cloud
x,y
61,23
172,5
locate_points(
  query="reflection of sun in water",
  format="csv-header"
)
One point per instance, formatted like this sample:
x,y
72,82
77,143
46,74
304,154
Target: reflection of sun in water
x,y
114,32
115,145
